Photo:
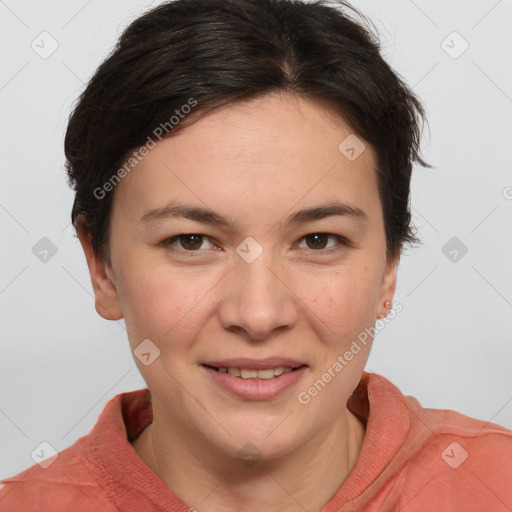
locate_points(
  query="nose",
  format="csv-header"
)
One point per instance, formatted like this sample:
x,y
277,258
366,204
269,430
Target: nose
x,y
258,300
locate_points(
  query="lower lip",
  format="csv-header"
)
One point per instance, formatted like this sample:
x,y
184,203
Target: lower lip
x,y
256,389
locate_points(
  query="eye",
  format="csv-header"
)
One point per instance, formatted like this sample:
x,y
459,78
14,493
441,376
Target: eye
x,y
320,241
190,242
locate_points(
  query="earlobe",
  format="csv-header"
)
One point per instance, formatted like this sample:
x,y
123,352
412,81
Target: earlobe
x,y
107,302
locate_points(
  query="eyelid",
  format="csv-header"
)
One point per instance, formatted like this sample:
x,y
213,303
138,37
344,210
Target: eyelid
x,y
168,243
342,242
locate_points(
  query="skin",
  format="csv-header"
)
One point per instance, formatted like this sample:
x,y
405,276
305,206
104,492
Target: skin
x,y
256,162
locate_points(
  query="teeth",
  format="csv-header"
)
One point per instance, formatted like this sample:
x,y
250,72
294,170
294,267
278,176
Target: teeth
x,y
246,373
263,374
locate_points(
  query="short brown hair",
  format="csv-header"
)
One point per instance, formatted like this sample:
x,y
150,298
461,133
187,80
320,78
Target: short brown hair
x,y
224,51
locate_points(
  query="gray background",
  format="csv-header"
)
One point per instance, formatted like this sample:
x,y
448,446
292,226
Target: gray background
x,y
450,346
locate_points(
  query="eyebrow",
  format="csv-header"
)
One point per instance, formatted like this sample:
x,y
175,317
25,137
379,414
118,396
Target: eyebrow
x,y
208,216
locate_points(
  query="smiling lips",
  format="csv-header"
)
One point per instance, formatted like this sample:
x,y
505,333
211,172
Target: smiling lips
x,y
247,373
263,369
255,379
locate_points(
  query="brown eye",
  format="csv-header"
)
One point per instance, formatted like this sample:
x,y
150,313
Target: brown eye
x,y
324,242
316,240
191,242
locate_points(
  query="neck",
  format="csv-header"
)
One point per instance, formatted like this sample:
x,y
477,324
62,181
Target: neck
x,y
307,478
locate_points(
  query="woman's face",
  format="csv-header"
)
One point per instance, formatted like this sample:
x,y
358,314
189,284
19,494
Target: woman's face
x,y
265,278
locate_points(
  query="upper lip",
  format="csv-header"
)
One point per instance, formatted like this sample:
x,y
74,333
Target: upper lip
x,y
255,364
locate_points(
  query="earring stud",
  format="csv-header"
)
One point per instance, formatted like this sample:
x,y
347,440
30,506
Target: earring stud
x,y
387,305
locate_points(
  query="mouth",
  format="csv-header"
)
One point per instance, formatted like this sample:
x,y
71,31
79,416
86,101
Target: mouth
x,y
251,379
252,373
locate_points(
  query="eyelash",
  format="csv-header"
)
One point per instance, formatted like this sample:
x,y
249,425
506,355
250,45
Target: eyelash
x,y
342,243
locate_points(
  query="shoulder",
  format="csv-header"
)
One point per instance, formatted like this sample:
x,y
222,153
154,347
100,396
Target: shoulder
x,y
60,485
433,459
484,438
80,478
456,460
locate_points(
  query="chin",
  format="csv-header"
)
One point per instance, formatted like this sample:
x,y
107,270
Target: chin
x,y
263,439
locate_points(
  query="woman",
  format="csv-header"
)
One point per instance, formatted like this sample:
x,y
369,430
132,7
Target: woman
x,y
242,174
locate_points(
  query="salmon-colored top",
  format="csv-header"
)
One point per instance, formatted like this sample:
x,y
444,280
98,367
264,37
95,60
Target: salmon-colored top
x,y
413,459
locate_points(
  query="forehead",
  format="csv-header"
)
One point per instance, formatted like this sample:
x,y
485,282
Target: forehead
x,y
271,152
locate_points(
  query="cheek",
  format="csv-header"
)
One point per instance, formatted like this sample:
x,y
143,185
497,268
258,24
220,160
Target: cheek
x,y
343,302
159,304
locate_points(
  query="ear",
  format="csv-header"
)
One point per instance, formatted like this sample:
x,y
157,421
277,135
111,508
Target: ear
x,y
105,293
387,289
